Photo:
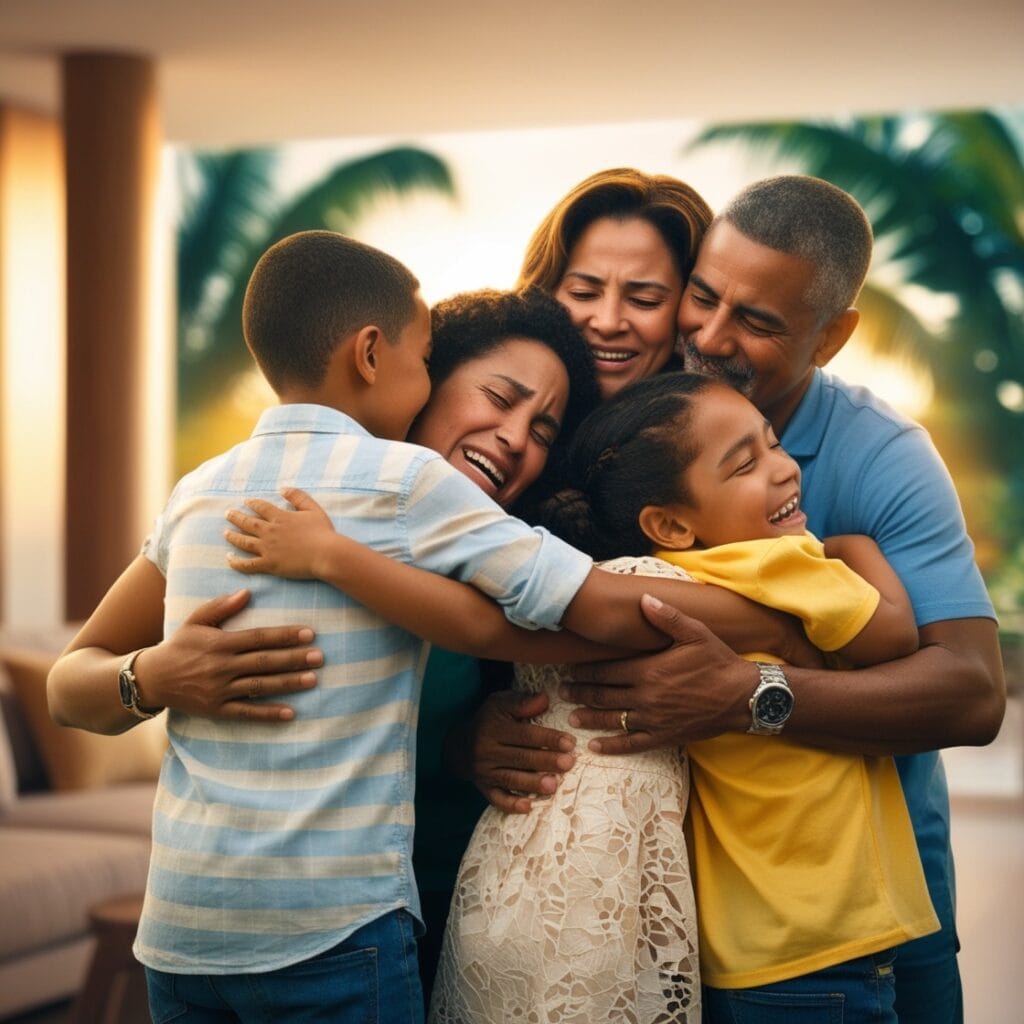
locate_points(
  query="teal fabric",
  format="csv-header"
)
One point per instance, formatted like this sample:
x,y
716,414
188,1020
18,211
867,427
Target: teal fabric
x,y
447,808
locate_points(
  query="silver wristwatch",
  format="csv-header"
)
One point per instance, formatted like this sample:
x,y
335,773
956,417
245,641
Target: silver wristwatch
x,y
127,685
772,702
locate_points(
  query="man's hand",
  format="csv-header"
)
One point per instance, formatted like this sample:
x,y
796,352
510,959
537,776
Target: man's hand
x,y
508,757
695,689
205,670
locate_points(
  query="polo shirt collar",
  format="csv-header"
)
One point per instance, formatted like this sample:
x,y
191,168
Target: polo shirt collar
x,y
306,419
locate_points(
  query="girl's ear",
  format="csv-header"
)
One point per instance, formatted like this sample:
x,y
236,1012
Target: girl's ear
x,y
364,353
666,527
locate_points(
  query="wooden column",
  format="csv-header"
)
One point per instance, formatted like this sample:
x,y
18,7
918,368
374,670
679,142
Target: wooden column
x,y
112,141
31,367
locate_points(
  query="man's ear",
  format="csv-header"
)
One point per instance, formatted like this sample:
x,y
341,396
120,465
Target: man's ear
x,y
835,335
365,346
666,527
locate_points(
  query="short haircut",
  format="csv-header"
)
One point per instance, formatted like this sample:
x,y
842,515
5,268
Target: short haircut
x,y
472,324
812,219
670,206
311,291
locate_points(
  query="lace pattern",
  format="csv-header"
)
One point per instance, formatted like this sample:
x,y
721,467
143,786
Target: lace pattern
x,y
581,911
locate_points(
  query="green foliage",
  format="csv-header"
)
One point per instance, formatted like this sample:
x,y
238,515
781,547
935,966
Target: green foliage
x,y
231,215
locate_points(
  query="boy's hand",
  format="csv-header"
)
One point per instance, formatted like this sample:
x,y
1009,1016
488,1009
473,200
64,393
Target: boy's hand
x,y
282,542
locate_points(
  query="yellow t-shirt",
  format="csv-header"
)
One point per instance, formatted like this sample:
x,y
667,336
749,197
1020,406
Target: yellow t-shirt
x,y
802,858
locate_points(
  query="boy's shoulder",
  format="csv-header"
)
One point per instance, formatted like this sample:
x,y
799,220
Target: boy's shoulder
x,y
310,447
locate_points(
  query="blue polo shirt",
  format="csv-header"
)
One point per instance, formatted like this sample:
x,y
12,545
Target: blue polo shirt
x,y
867,469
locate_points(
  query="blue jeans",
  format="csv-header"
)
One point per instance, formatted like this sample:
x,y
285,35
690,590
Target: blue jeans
x,y
928,992
370,978
855,992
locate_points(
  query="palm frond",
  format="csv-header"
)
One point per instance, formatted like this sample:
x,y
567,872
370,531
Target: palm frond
x,y
335,201
225,200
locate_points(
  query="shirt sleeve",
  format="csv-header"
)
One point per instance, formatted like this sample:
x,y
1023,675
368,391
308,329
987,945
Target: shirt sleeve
x,y
454,529
793,575
831,600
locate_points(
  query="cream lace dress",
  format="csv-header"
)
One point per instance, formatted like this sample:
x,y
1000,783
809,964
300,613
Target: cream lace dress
x,y
582,910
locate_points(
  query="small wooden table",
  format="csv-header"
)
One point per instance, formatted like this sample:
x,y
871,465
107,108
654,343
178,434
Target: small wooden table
x,y
115,987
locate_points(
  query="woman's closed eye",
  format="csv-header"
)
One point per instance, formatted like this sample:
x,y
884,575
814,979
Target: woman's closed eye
x,y
543,435
502,401
644,302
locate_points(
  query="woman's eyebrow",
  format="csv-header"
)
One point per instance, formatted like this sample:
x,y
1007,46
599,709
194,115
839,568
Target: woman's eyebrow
x,y
517,385
525,392
583,276
634,285
656,285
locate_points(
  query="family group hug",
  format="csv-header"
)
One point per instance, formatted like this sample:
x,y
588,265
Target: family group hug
x,y
574,653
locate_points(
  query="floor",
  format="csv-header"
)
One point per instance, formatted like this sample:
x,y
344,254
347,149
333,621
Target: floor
x,y
987,796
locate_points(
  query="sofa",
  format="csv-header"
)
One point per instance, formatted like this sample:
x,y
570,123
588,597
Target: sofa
x,y
75,811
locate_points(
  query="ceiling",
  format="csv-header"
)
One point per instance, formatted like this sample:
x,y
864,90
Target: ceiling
x,y
233,72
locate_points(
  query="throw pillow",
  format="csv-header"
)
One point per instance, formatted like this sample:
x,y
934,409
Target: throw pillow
x,y
75,759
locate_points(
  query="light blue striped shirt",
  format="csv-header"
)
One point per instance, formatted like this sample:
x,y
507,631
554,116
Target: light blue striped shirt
x,y
273,842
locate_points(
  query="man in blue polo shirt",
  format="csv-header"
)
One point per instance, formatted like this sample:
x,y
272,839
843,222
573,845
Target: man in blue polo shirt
x,y
768,304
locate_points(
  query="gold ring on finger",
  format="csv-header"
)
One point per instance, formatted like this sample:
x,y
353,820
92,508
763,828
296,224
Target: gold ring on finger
x,y
624,721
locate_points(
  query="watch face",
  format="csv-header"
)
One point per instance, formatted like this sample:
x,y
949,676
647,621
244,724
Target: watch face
x,y
125,686
774,704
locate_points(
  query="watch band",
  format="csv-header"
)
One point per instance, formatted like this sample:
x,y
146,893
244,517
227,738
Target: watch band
x,y
128,687
772,701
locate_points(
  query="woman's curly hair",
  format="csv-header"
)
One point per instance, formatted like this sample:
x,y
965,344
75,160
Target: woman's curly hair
x,y
472,324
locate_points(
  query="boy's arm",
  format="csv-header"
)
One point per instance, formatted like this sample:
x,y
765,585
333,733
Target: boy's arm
x,y
891,632
609,604
201,668
303,544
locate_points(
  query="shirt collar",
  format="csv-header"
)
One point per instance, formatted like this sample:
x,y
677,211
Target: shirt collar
x,y
802,434
307,419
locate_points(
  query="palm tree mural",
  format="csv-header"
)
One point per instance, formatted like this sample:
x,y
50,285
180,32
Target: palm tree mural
x,y
231,213
945,194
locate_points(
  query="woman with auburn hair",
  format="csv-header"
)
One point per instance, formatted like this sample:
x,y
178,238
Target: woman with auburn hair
x,y
616,251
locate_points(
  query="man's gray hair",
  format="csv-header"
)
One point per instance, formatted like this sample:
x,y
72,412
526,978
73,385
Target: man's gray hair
x,y
814,220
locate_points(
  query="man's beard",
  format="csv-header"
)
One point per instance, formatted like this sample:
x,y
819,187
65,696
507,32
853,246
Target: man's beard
x,y
728,371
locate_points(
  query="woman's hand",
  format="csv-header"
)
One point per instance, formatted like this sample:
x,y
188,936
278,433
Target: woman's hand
x,y
282,542
506,756
204,670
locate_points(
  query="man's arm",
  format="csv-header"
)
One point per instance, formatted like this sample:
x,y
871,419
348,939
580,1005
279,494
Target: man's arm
x,y
200,668
950,692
